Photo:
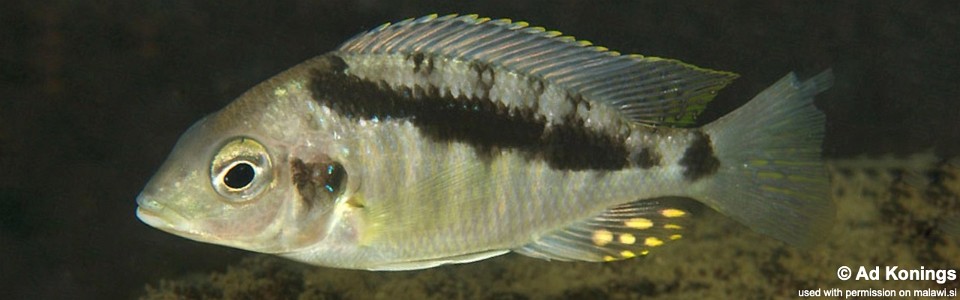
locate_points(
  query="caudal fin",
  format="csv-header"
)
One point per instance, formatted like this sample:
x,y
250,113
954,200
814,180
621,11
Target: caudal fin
x,y
771,176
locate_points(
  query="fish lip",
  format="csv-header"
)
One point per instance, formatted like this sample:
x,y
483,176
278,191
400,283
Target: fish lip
x,y
170,222
152,216
144,202
152,219
157,215
154,213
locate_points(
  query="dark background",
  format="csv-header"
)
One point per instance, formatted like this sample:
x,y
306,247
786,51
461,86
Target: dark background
x,y
93,94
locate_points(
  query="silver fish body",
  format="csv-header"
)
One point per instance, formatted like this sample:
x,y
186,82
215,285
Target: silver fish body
x,y
455,139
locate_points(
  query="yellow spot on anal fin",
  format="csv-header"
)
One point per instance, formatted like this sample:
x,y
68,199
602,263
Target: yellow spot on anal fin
x,y
602,237
639,223
627,238
653,242
672,226
609,258
675,237
627,254
672,213
644,252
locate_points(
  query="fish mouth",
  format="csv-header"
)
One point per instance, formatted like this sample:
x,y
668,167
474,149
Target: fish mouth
x,y
157,215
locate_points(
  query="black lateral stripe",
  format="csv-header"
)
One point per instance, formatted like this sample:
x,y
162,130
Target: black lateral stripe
x,y
699,160
484,124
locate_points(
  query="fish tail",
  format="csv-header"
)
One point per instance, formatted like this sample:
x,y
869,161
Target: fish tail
x,y
771,175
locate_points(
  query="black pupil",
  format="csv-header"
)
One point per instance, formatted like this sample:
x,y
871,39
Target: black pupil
x,y
240,175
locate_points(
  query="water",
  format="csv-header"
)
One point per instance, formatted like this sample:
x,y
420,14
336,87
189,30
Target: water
x,y
95,94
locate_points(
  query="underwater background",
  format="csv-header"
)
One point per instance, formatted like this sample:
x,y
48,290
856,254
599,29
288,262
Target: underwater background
x,y
95,93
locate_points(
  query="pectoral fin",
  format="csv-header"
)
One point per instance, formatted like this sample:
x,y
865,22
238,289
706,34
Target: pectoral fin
x,y
430,263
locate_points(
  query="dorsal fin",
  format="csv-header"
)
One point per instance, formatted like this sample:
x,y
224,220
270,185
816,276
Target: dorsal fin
x,y
621,232
648,90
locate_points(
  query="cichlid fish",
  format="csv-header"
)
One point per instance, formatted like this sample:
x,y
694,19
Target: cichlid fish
x,y
454,139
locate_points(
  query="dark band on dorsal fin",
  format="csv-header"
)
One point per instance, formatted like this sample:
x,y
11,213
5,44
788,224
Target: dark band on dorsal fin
x,y
647,90
482,123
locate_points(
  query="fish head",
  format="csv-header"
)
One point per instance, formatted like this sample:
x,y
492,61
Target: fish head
x,y
233,183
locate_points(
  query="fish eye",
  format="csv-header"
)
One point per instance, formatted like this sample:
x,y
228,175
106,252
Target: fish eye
x,y
241,169
239,175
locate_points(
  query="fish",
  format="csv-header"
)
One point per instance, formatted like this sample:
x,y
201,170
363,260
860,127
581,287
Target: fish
x,y
452,139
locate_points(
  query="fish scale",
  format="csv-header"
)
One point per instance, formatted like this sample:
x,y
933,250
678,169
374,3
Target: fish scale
x,y
452,139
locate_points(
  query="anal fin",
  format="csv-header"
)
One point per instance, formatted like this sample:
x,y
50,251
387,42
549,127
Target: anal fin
x,y
621,232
